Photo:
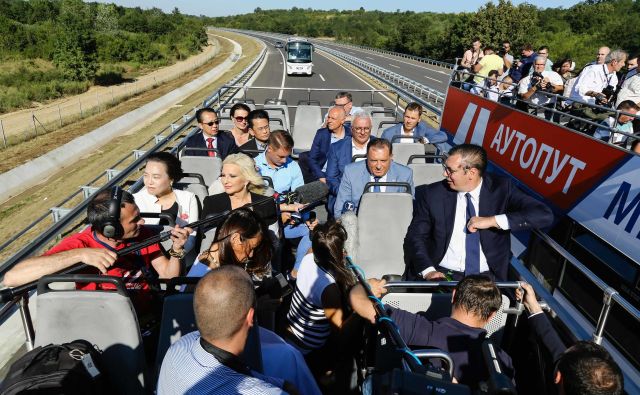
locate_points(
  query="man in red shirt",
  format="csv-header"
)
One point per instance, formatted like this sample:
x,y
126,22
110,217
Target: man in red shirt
x,y
93,248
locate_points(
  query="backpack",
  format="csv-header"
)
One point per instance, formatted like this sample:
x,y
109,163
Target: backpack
x,y
71,369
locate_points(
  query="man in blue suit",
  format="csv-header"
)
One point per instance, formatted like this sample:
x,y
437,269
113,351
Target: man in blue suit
x,y
412,127
341,152
379,167
335,131
447,236
209,137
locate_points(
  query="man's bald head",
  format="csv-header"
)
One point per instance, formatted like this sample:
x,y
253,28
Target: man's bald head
x,y
222,301
336,117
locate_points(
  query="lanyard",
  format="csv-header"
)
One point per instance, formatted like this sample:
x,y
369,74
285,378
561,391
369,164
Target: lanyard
x,y
226,358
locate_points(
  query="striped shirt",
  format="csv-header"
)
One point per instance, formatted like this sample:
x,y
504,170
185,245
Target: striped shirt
x,y
188,369
307,320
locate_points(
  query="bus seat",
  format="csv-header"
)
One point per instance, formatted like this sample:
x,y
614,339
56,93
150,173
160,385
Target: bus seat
x,y
383,219
426,173
208,166
280,112
104,318
307,121
402,151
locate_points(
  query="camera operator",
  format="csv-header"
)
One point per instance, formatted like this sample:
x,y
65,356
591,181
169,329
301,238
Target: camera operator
x,y
596,84
505,54
536,87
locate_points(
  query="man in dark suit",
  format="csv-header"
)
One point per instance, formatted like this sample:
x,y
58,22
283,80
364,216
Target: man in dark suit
x,y
259,130
335,131
447,236
213,142
341,152
475,301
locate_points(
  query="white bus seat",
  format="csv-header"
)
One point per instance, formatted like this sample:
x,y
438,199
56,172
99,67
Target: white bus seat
x,y
402,151
378,121
426,173
104,318
279,111
436,305
383,219
194,187
225,124
276,124
308,117
208,166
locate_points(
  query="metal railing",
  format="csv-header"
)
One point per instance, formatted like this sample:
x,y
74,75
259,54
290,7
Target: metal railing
x,y
175,129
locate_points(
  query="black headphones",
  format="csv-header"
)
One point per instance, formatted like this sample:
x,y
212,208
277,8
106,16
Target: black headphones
x,y
111,227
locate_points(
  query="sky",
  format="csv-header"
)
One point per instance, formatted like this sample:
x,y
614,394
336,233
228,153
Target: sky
x,y
224,8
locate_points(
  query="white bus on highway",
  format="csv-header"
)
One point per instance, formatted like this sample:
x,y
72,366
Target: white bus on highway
x,y
299,56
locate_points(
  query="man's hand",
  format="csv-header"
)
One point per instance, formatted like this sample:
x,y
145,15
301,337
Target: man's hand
x,y
434,276
377,287
100,258
322,180
179,237
476,223
528,298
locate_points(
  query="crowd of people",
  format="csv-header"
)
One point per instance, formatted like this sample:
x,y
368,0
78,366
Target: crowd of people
x,y
460,230
604,92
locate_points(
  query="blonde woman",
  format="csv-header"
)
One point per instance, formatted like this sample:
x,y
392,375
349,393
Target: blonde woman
x,y
242,185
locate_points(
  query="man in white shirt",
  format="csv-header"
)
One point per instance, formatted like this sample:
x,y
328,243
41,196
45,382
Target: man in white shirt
x,y
534,88
595,78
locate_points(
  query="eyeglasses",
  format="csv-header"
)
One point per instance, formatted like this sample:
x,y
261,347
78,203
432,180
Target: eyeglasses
x,y
362,129
540,64
240,119
216,122
449,171
262,128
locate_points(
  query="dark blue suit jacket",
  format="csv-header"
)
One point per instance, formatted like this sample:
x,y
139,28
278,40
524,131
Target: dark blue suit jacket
x,y
320,149
225,142
339,157
429,233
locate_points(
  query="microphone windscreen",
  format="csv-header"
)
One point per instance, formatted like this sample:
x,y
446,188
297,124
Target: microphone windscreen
x,y
312,192
349,221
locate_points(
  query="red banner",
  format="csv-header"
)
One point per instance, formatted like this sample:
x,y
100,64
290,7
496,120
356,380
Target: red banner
x,y
558,163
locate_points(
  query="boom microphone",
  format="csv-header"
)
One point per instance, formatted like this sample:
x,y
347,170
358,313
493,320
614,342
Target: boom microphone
x,y
312,192
349,221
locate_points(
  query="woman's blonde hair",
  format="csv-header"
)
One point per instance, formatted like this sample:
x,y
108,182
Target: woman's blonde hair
x,y
248,170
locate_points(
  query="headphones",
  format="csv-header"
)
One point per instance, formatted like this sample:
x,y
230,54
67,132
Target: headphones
x,y
111,227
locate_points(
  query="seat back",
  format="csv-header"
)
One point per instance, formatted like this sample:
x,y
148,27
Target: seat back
x,y
437,305
382,123
104,318
307,121
402,151
383,219
208,166
280,112
426,173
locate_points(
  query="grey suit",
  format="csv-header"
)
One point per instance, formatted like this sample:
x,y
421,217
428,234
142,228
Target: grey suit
x,y
356,176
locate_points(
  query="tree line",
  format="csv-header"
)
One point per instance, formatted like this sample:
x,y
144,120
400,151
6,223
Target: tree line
x,y
49,48
575,32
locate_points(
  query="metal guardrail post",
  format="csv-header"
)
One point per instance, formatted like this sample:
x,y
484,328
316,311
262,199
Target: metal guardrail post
x,y
111,173
27,322
158,138
58,212
137,153
88,190
604,314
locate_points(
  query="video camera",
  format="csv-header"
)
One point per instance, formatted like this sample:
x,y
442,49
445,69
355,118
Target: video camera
x,y
537,79
605,96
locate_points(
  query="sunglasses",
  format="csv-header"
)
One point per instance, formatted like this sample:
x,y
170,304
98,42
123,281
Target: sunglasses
x,y
216,122
240,119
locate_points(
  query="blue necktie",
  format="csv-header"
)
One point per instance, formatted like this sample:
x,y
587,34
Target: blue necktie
x,y
376,188
472,244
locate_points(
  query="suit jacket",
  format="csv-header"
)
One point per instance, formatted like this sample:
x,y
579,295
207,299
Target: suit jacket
x,y
422,130
225,142
339,157
429,233
250,146
219,203
356,176
320,149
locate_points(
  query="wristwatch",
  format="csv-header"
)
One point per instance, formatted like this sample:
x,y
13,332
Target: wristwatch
x,y
175,254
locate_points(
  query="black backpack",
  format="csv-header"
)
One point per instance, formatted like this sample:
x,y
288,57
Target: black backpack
x,y
71,369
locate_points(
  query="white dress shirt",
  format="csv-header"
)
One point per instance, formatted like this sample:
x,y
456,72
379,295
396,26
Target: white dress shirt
x,y
454,258
359,151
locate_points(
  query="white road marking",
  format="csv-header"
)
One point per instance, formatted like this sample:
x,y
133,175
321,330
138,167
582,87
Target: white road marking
x,y
321,77
412,64
433,79
393,65
284,74
369,58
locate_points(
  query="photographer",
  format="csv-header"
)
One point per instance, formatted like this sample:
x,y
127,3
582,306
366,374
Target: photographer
x,y
596,84
506,55
536,87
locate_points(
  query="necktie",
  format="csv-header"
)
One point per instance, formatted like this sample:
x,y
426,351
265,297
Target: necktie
x,y
210,146
376,188
472,243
